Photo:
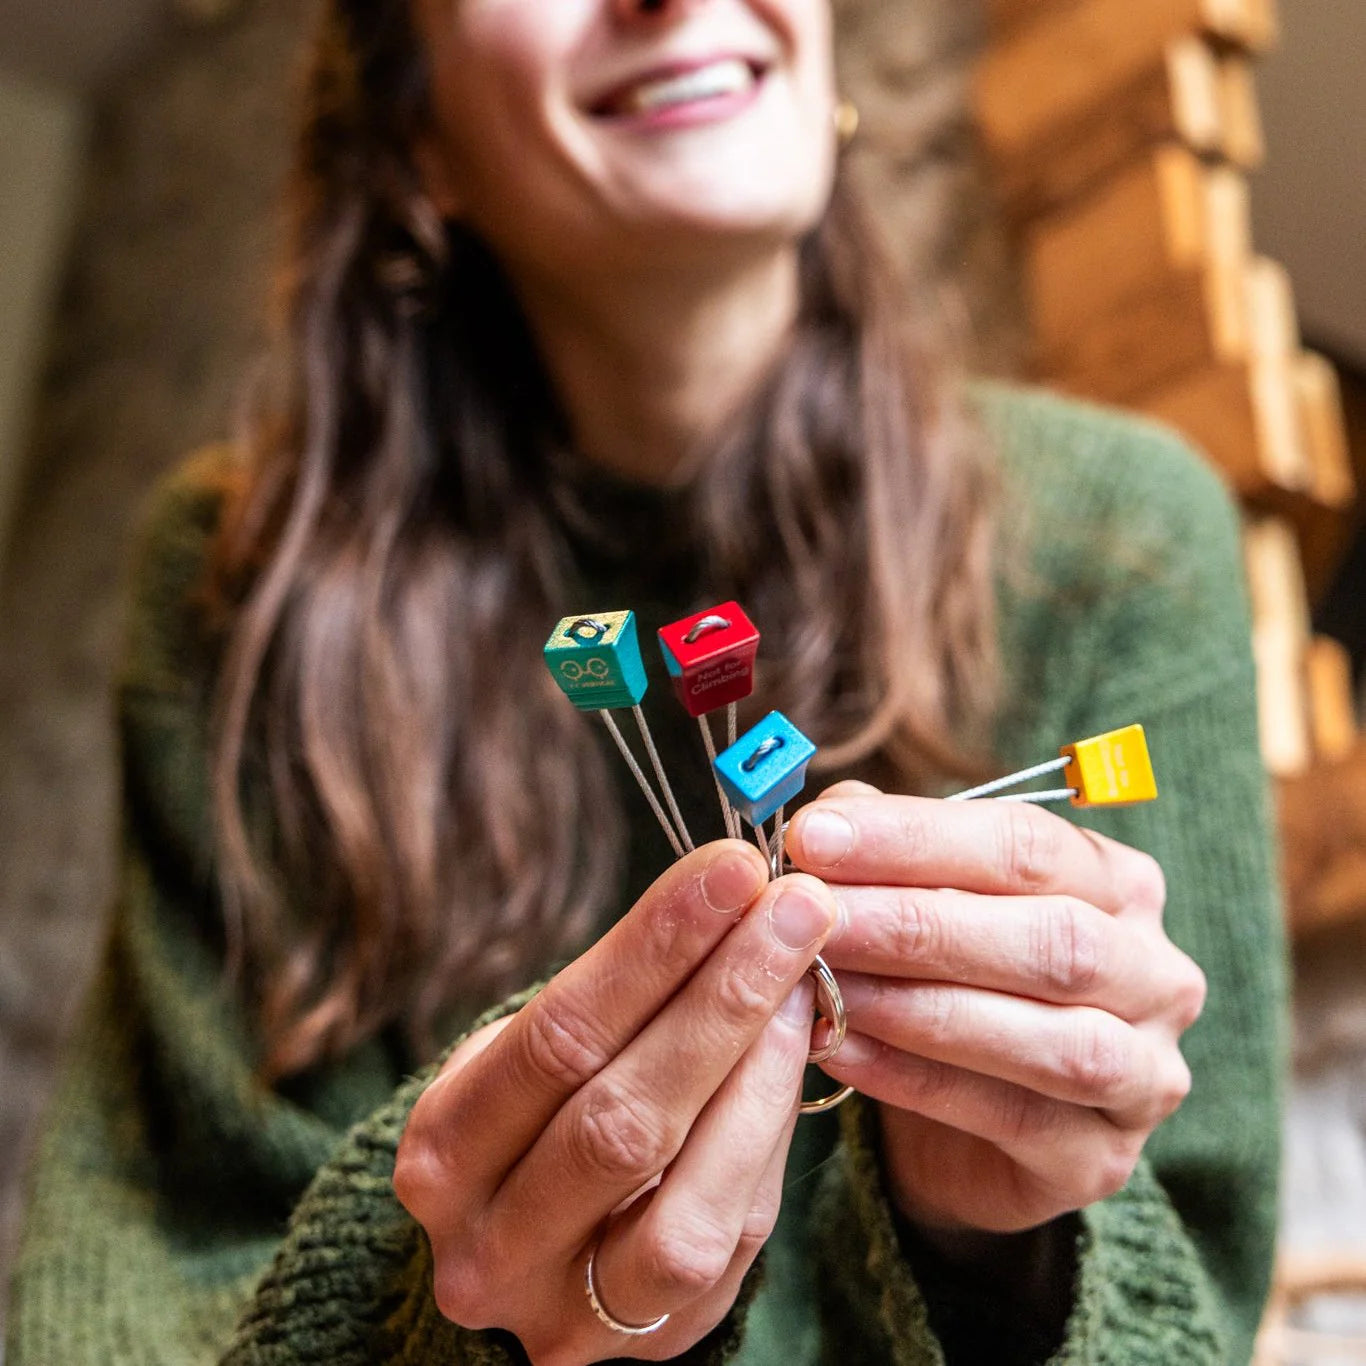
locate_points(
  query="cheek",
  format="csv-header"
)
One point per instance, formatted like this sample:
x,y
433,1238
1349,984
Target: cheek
x,y
810,26
495,66
807,28
477,82
819,61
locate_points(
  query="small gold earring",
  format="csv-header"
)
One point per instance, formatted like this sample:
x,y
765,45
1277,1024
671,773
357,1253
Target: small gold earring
x,y
846,119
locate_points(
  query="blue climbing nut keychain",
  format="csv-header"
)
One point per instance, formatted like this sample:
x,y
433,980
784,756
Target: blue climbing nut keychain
x,y
765,768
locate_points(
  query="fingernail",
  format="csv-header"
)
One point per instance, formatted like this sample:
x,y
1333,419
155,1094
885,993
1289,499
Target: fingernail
x,y
730,884
800,1002
798,918
826,837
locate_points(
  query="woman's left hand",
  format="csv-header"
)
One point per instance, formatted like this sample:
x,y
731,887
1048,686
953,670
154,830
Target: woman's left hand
x,y
1013,1000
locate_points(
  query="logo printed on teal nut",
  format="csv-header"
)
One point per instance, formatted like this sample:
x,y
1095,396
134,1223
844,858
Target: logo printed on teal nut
x,y
765,768
595,659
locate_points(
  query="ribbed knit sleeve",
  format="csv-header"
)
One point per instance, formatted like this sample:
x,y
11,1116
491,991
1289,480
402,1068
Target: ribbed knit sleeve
x,y
166,1171
1133,591
350,1284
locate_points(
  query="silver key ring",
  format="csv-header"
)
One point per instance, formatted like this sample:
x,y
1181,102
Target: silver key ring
x,y
704,627
829,1001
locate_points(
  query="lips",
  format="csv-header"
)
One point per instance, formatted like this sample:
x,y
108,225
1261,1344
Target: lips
x,y
680,84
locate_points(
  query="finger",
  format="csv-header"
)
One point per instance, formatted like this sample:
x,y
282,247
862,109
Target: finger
x,y
1070,1152
630,1121
432,1099
849,787
469,1049
1070,1053
694,1321
420,1180
1004,848
684,1241
586,1015
1051,948
763,1218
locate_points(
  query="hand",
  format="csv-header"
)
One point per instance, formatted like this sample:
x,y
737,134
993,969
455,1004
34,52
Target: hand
x,y
675,1045
1013,1001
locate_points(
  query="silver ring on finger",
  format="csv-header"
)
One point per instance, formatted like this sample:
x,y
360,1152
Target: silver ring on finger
x,y
830,1001
630,1330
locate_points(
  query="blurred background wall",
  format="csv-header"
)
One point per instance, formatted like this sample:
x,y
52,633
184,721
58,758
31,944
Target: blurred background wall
x,y
141,145
140,151
42,146
1310,198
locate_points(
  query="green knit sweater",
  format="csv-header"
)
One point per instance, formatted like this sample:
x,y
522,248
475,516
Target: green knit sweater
x,y
180,1212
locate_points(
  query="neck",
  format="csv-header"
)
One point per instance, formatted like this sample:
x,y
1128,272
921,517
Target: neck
x,y
650,367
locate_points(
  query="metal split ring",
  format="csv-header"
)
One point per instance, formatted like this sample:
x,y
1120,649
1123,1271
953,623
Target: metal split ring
x,y
770,746
830,1000
586,628
711,623
824,1103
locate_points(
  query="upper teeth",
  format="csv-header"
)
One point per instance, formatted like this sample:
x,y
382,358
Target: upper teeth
x,y
729,77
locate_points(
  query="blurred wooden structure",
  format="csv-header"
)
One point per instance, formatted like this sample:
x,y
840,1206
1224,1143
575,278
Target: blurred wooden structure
x,y
1298,1282
1121,136
1323,841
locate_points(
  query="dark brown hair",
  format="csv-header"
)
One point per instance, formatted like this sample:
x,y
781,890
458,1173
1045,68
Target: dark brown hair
x,y
393,558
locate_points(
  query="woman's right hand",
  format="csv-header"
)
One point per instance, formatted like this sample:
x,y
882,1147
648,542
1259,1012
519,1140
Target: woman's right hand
x,y
674,1046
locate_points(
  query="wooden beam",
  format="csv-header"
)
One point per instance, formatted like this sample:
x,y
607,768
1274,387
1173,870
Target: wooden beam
x,y
1262,21
1004,15
1322,820
1280,640
1167,213
1245,417
1192,321
1058,67
1180,98
1275,588
1273,328
1242,139
1332,699
1324,429
1301,1276
1325,519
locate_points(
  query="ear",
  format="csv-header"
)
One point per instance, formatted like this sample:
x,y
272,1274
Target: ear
x,y
438,182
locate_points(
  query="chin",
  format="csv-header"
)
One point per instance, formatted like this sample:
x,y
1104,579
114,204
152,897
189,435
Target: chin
x,y
738,202
757,223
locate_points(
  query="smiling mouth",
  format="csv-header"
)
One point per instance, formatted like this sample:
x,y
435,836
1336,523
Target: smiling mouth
x,y
722,79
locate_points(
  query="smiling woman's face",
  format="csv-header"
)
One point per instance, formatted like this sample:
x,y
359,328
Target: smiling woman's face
x,y
566,129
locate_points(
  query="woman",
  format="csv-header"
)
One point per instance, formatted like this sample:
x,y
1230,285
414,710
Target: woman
x,y
579,314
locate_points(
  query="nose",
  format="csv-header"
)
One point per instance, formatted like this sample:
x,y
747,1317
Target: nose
x,y
635,10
